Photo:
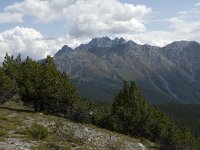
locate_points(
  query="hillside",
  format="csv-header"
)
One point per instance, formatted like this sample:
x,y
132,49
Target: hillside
x,y
63,134
184,115
167,74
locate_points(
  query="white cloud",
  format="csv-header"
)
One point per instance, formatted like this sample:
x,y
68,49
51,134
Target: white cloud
x,y
87,18
28,42
101,17
182,25
72,42
41,10
155,38
6,17
185,25
197,4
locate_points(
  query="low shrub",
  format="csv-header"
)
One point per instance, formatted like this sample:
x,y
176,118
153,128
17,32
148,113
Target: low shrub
x,y
37,131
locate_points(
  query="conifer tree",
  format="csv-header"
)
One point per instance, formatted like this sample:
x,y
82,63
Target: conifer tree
x,y
32,80
130,110
8,88
59,95
13,68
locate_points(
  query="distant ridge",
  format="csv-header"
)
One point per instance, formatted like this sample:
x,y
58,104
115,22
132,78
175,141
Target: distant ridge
x,y
165,74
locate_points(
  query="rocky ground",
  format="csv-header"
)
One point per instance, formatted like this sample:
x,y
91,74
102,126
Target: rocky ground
x,y
62,134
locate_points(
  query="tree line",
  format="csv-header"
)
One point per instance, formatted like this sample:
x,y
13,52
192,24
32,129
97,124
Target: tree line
x,y
46,89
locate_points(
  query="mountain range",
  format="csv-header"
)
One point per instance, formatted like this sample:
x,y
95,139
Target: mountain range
x,y
169,74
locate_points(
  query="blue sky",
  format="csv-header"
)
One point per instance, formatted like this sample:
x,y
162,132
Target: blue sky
x,y
41,27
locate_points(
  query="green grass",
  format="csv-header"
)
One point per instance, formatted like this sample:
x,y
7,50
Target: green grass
x,y
2,133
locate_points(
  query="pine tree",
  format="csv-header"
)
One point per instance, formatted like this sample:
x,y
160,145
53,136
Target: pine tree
x,y
13,68
59,94
8,88
129,110
32,80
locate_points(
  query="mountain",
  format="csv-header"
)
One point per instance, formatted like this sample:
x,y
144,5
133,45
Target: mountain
x,y
169,74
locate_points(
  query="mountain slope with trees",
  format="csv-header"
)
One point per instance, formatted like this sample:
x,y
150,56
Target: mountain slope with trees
x,y
184,115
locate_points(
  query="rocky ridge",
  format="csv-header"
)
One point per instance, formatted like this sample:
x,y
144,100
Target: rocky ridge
x,y
164,74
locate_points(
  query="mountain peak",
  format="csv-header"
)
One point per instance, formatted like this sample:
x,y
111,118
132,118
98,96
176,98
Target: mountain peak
x,y
106,42
121,40
118,41
100,42
64,49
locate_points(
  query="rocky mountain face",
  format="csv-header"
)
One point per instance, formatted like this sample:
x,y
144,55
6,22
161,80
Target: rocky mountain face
x,y
164,74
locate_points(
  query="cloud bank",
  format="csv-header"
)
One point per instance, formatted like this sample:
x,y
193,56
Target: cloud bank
x,y
86,18
28,42
7,17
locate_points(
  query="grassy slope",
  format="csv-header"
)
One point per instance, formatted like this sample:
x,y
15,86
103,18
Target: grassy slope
x,y
63,134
